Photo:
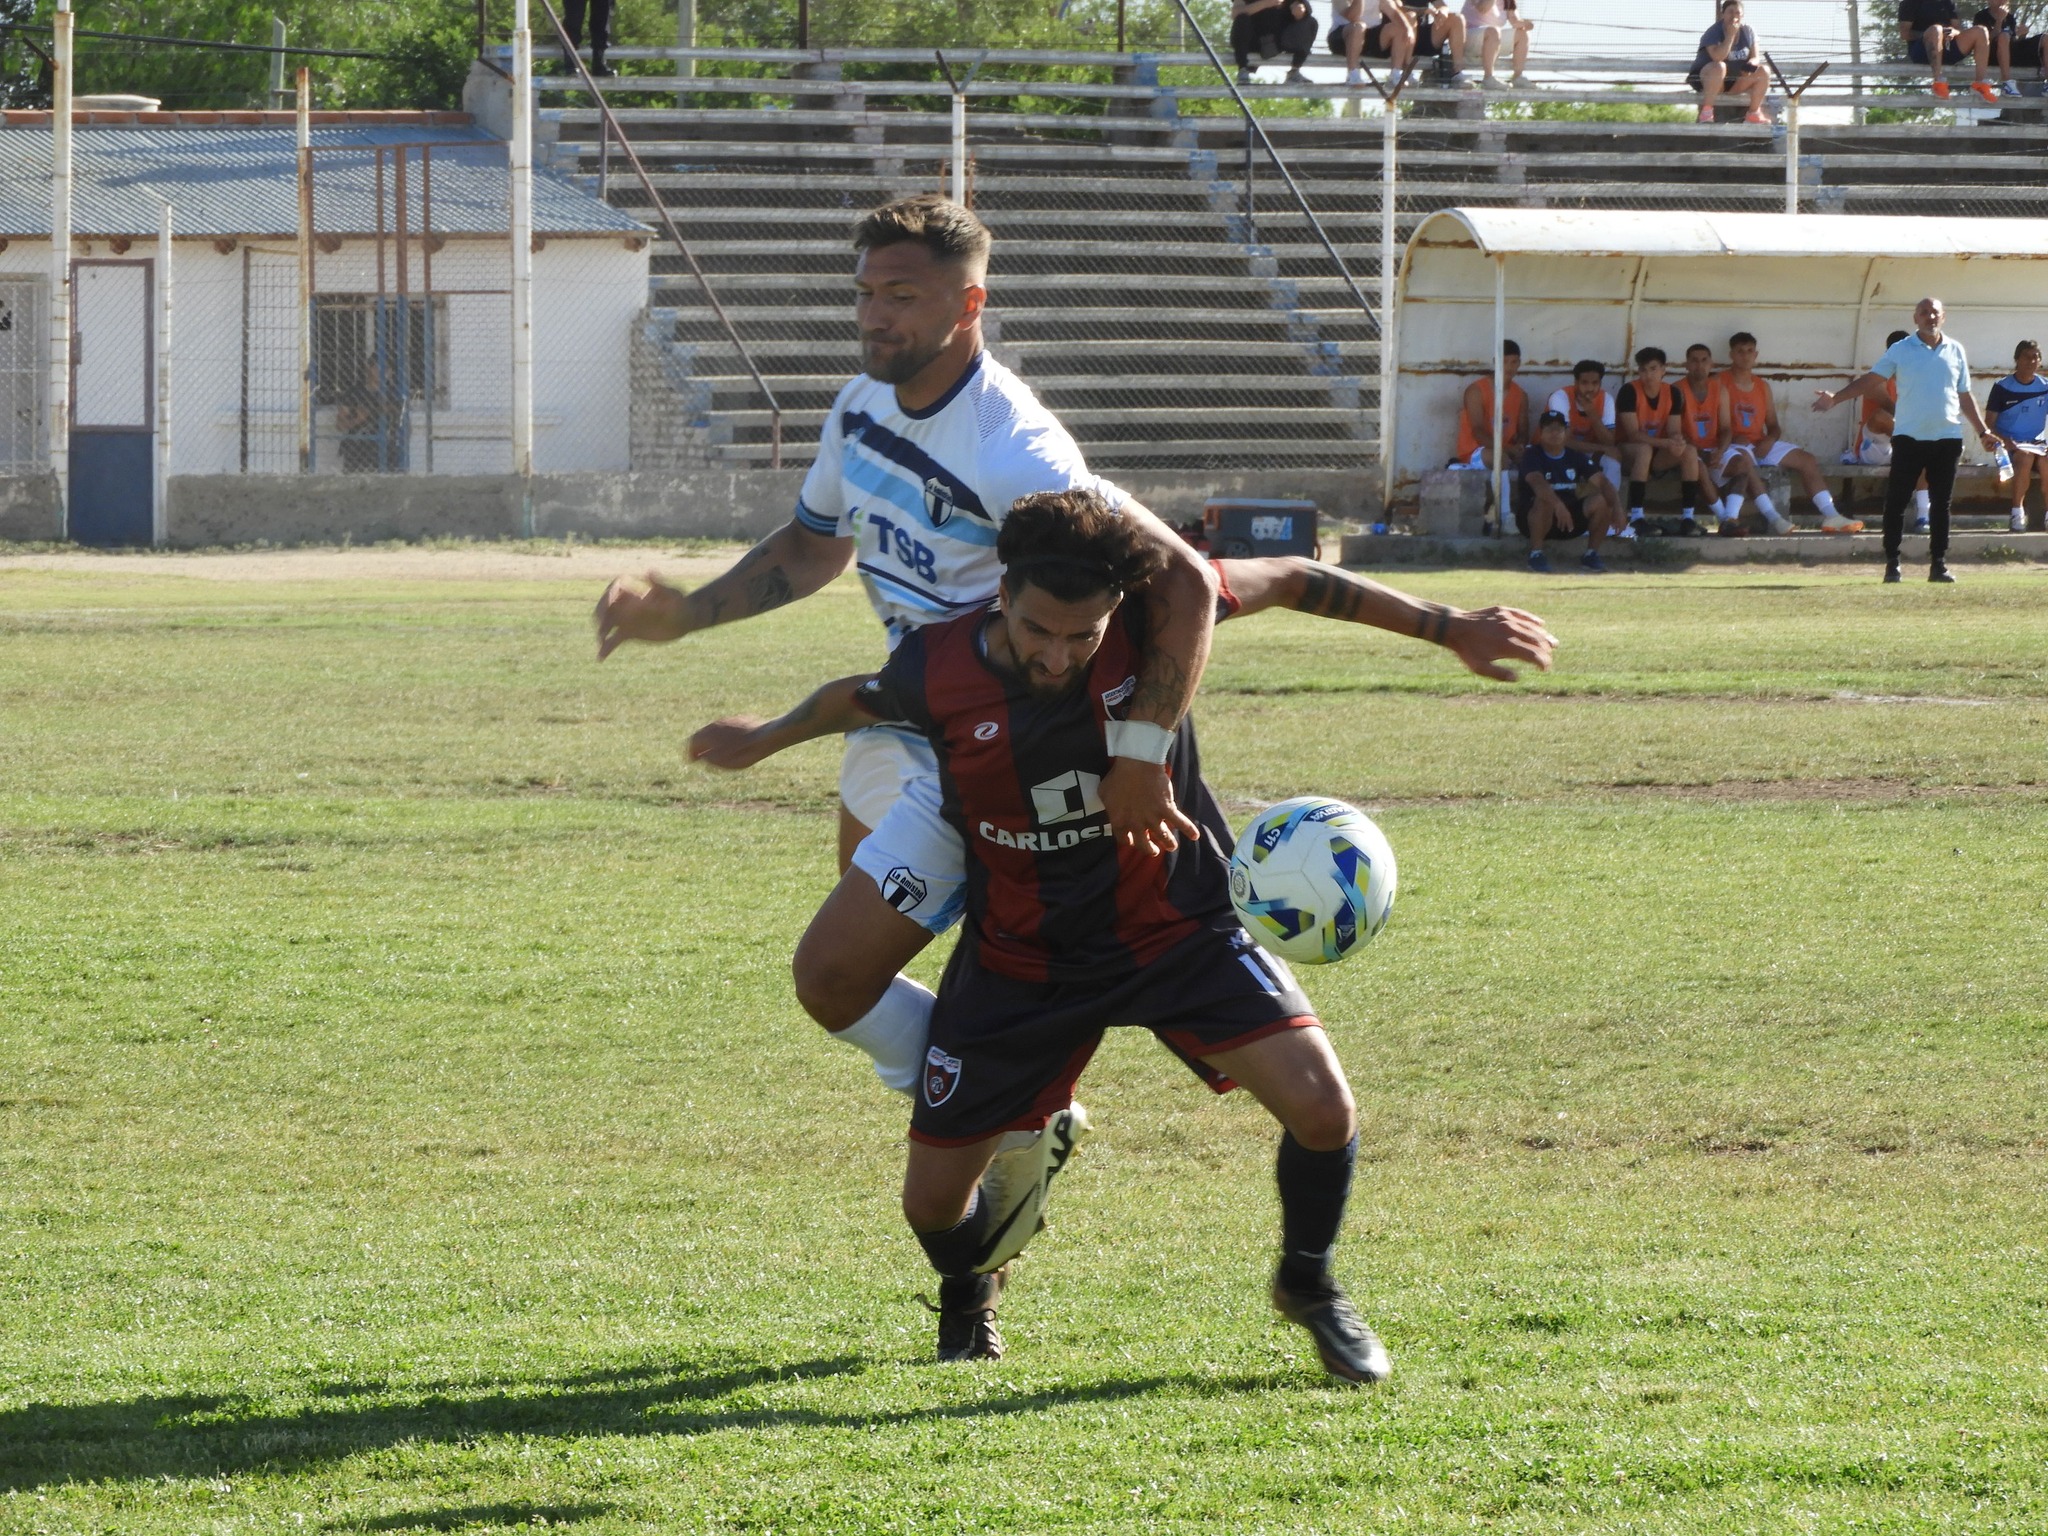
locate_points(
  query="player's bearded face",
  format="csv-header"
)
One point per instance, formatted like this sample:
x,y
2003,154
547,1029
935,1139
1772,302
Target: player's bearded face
x,y
908,308
1050,642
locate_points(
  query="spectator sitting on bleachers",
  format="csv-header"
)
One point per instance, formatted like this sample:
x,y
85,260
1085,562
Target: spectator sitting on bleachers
x,y
1492,20
1729,63
2010,44
1377,29
1749,427
1589,411
2018,410
1562,495
1649,430
1935,36
1475,420
1701,403
1269,28
1439,33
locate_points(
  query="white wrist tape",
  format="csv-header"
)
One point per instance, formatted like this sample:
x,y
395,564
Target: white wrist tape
x,y
1141,739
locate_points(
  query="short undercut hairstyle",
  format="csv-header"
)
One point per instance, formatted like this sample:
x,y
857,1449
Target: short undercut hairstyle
x,y
1074,545
1511,349
1586,365
1699,346
1646,355
950,232
1741,339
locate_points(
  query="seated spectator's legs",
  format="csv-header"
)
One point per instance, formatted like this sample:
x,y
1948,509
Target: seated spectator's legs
x,y
1395,40
1298,41
1244,39
1450,28
1976,42
2025,467
1931,48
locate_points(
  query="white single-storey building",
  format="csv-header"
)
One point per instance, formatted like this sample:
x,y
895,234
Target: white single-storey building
x,y
410,295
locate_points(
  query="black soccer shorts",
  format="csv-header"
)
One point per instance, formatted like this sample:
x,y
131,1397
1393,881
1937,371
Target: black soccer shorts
x,y
1004,1054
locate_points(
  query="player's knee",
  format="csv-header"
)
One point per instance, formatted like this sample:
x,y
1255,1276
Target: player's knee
x,y
932,1210
833,992
1327,1119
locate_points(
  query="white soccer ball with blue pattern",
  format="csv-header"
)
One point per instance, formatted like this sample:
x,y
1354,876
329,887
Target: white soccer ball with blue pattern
x,y
1312,879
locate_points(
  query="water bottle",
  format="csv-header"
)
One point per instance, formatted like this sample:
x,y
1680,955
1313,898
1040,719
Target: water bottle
x,y
2004,462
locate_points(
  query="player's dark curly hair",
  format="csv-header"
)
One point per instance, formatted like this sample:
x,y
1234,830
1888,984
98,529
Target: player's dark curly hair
x,y
1074,545
949,231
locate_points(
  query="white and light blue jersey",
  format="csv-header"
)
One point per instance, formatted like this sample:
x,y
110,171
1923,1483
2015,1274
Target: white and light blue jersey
x,y
2020,411
921,493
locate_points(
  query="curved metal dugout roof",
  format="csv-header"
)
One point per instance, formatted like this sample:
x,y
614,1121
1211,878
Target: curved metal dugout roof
x,y
1601,232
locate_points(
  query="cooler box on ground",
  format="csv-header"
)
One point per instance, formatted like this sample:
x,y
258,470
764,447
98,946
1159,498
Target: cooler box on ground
x,y
1238,529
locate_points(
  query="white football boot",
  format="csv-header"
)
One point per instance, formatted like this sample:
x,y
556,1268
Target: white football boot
x,y
1019,1179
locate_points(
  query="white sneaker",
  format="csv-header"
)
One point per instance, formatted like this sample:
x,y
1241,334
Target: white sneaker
x,y
1923,524
2019,520
2007,88
1834,522
1019,1179
1628,532
1354,77
1780,524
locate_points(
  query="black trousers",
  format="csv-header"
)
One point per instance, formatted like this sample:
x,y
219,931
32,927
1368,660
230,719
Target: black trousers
x,y
1912,457
1295,38
600,24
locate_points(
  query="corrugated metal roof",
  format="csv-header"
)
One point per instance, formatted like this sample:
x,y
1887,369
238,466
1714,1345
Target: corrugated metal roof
x,y
244,181
1536,231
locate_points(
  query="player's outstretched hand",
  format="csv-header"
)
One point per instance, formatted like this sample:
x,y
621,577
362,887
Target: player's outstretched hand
x,y
639,608
738,742
1487,639
1138,798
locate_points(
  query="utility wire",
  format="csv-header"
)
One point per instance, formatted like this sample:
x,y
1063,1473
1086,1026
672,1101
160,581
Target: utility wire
x,y
195,42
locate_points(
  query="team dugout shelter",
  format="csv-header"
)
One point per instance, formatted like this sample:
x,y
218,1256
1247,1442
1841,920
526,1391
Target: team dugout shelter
x,y
1819,292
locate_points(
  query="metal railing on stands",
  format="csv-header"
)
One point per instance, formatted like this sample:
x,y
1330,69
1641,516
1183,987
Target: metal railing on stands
x,y
613,130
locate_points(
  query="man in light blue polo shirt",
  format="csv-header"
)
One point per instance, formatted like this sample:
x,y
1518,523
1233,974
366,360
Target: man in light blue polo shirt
x,y
1933,377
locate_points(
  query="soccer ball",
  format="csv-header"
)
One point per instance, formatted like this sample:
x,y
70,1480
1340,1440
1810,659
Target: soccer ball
x,y
1312,879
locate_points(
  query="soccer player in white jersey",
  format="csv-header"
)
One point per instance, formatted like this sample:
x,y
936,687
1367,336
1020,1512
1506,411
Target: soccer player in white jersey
x,y
918,460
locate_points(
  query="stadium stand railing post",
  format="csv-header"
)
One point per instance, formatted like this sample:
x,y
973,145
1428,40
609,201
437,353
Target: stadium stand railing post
x,y
609,125
305,273
1390,320
1792,95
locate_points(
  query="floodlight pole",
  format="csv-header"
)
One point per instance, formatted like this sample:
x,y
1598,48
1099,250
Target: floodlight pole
x,y
60,265
520,162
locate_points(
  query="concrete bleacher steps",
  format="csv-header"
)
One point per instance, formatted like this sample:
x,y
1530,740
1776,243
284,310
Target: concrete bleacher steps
x,y
1172,316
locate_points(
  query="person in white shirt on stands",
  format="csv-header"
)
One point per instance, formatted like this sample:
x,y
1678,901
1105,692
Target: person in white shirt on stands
x,y
1490,21
1366,28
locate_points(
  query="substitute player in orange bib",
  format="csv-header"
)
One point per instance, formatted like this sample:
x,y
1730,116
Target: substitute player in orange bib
x,y
1749,429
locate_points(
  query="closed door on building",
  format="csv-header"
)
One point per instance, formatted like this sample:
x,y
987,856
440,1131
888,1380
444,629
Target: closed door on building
x,y
22,432
113,475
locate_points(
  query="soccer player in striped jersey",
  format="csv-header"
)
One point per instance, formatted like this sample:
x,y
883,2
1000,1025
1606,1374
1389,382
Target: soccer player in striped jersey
x,y
1068,934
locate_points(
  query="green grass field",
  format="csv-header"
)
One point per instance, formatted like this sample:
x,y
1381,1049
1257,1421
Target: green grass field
x,y
405,1124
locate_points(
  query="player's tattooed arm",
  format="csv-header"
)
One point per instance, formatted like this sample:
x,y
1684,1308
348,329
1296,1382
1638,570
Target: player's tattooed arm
x,y
790,563
1180,614
740,741
1486,640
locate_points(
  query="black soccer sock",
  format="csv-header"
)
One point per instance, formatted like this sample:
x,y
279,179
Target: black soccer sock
x,y
1638,492
1313,1189
953,1252
1690,492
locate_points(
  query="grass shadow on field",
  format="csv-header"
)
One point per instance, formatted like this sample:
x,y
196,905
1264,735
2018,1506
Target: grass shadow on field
x,y
469,1516
193,1435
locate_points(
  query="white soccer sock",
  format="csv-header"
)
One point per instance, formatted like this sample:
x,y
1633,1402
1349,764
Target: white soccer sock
x,y
1825,501
1718,507
893,1033
1733,503
1763,505
1921,504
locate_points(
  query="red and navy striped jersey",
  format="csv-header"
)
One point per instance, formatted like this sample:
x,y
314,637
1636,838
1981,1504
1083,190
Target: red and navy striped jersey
x,y
1050,894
